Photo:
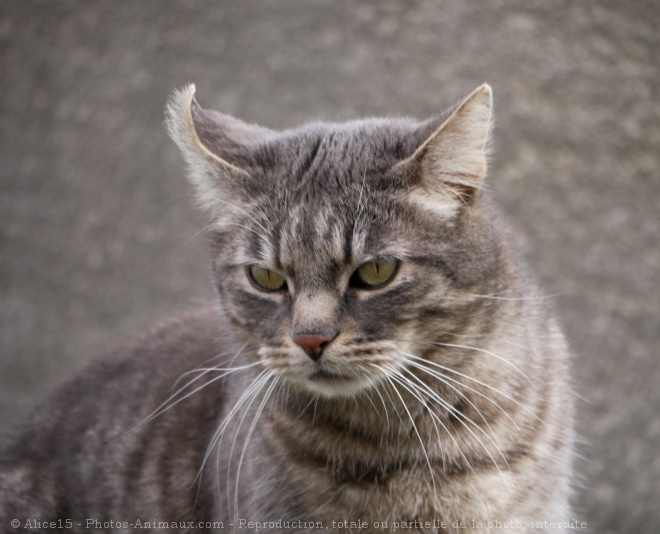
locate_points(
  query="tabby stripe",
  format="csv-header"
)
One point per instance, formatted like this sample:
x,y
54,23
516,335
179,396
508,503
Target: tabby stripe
x,y
436,262
308,158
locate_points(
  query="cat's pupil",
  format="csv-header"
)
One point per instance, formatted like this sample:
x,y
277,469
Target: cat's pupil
x,y
374,274
265,279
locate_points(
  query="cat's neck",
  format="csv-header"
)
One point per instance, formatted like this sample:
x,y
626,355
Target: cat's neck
x,y
362,434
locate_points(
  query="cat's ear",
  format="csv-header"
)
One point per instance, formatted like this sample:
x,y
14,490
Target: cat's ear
x,y
217,148
449,166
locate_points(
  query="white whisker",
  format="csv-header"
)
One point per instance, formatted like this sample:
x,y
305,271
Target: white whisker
x,y
412,422
249,436
374,387
441,378
205,370
257,206
498,296
251,395
464,419
217,436
479,382
448,381
255,221
434,417
477,349
171,403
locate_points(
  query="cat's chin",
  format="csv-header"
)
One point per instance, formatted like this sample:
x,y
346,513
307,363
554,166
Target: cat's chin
x,y
329,384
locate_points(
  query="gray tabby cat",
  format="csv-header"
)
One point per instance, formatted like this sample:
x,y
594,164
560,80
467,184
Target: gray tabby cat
x,y
380,359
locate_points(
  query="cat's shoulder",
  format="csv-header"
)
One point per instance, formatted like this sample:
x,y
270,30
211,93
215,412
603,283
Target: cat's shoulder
x,y
173,345
124,401
131,379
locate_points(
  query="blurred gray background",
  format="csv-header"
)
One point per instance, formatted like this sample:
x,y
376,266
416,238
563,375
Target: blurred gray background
x,y
98,238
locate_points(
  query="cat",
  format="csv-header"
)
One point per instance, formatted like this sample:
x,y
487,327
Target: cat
x,y
379,359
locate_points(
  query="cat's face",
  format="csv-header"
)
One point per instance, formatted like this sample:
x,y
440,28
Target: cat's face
x,y
339,247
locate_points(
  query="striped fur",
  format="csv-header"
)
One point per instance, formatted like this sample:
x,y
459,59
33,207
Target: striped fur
x,y
443,398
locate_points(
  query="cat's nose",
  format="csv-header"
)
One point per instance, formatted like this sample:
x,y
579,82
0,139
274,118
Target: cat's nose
x,y
313,344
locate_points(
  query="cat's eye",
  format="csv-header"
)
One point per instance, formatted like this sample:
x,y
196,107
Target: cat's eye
x,y
374,274
265,279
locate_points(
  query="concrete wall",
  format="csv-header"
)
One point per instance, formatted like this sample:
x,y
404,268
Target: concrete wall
x,y
98,238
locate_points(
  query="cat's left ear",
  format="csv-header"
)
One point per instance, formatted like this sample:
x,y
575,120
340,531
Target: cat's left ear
x,y
449,167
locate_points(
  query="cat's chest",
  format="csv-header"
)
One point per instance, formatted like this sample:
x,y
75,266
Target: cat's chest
x,y
406,498
373,496
330,469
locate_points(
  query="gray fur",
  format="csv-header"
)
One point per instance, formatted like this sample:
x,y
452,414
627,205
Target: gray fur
x,y
444,397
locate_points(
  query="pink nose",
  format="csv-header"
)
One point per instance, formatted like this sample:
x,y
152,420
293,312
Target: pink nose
x,y
313,343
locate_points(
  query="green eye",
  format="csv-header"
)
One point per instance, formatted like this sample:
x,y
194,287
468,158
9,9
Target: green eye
x,y
374,273
266,279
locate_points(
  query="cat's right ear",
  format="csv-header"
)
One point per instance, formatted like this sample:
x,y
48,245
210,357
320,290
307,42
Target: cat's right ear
x,y
217,149
449,167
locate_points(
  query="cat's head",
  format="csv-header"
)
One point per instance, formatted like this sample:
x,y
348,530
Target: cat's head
x,y
340,248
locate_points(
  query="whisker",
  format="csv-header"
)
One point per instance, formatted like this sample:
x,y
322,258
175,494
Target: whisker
x,y
199,232
386,391
479,382
498,295
205,370
216,357
464,419
258,234
367,396
168,404
258,207
256,388
217,436
360,206
249,436
412,421
446,380
316,405
403,381
255,221
374,387
434,417
516,299
454,388
468,347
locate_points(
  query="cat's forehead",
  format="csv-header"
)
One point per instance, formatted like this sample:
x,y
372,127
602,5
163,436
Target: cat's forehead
x,y
324,210
313,237
340,156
